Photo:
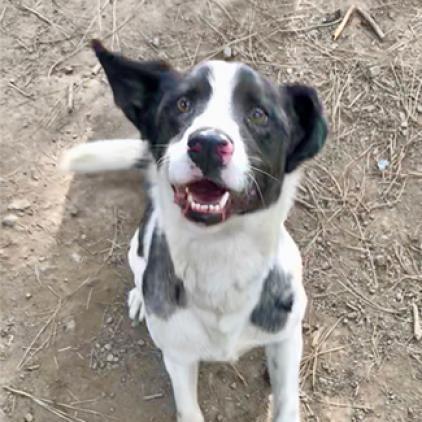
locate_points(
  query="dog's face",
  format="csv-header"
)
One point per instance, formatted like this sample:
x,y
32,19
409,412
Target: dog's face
x,y
222,135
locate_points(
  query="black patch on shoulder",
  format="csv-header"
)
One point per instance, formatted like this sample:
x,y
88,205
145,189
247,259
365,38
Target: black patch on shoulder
x,y
142,226
275,303
163,291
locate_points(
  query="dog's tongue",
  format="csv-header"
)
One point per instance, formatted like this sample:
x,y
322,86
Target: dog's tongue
x,y
205,191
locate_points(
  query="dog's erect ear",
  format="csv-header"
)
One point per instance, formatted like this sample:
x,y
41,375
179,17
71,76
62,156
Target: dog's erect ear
x,y
137,86
308,125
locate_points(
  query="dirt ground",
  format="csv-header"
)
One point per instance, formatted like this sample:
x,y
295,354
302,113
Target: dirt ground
x,y
68,351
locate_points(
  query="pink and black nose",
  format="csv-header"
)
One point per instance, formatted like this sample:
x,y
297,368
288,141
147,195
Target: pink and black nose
x,y
210,150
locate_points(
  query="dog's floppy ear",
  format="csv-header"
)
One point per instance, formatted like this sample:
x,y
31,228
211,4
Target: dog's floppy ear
x,y
137,86
308,125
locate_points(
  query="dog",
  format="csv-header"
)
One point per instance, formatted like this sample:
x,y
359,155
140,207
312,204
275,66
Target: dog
x,y
216,272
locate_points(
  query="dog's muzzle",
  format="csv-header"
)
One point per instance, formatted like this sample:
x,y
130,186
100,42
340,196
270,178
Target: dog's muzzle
x,y
210,150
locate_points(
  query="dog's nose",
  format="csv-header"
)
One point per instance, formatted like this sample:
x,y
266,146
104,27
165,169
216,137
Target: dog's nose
x,y
210,149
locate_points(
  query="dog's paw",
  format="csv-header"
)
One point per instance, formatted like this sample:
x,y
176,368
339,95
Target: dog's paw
x,y
190,417
135,302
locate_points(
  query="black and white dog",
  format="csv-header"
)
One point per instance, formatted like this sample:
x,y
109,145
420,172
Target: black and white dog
x,y
215,270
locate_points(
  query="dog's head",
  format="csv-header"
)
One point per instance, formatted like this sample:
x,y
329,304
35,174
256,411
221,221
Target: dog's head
x,y
222,135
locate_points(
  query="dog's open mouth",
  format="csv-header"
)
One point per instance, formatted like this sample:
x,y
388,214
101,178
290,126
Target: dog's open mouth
x,y
204,201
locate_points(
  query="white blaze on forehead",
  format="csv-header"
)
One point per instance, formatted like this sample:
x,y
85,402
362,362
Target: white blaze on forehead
x,y
217,114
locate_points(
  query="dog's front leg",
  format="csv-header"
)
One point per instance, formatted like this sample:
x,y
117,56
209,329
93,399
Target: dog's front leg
x,y
184,379
283,360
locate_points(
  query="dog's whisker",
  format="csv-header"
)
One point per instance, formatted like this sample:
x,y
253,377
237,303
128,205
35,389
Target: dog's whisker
x,y
265,173
164,159
258,188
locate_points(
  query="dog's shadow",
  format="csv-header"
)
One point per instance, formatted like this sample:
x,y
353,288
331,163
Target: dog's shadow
x,y
115,360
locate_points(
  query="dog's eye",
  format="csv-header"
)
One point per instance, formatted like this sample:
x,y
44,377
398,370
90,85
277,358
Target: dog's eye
x,y
258,116
184,105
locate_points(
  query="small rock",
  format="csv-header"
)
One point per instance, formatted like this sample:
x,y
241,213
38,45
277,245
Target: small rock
x,y
379,260
70,325
68,70
9,220
219,418
156,42
28,417
383,165
34,176
233,386
289,70
419,108
374,71
110,357
76,257
352,315
28,296
74,211
19,205
107,346
109,320
140,342
227,52
326,266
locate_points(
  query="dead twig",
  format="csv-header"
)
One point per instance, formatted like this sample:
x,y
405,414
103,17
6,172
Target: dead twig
x,y
344,22
417,329
44,19
153,396
239,375
371,21
70,98
39,334
54,407
365,15
21,91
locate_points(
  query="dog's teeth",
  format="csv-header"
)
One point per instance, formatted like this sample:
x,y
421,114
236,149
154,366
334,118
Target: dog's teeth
x,y
204,208
190,199
187,190
224,199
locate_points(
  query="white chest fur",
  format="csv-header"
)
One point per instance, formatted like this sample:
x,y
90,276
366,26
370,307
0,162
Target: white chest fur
x,y
221,294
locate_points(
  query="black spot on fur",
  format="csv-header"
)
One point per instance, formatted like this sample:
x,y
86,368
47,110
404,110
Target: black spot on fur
x,y
275,304
142,226
163,291
295,130
147,92
309,128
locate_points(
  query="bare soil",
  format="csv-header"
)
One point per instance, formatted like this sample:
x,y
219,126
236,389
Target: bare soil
x,y
67,349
